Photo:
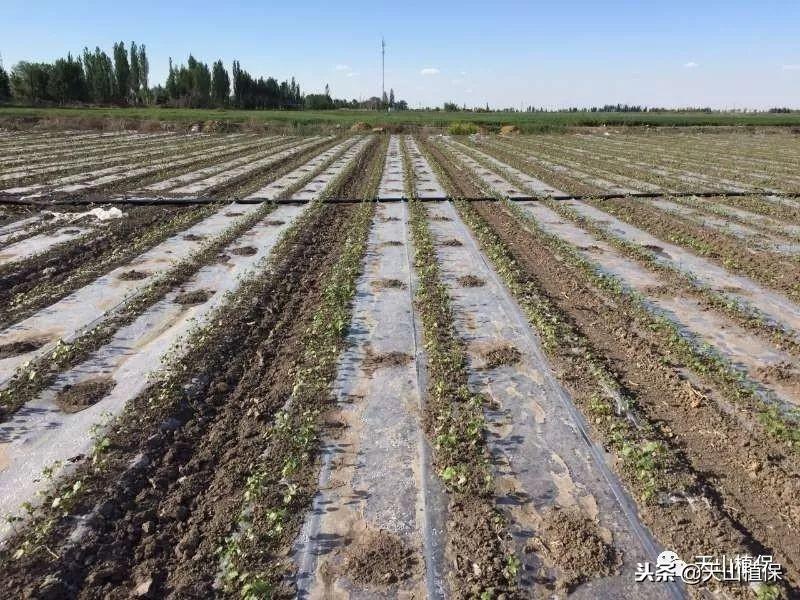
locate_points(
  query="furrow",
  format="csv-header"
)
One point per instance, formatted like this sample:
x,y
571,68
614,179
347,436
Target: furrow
x,y
391,185
186,178
547,468
52,430
61,321
209,183
113,153
743,290
536,186
39,243
375,483
700,325
758,238
95,179
426,184
275,189
316,188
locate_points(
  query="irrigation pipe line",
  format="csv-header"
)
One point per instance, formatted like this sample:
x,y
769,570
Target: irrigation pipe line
x,y
195,200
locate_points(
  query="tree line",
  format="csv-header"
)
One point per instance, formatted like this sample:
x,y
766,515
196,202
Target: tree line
x,y
123,79
94,77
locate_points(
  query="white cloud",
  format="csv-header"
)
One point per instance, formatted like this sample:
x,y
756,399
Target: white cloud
x,y
429,71
791,67
352,74
691,65
342,68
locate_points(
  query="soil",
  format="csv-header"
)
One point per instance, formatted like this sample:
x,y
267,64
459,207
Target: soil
x,y
358,183
470,281
226,189
755,512
755,204
274,222
393,243
452,243
244,251
253,182
133,275
75,398
233,214
378,558
192,237
775,270
11,213
49,277
559,181
572,543
193,297
784,372
159,526
388,283
373,362
500,356
23,347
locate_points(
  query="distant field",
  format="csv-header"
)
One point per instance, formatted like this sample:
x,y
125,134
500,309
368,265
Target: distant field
x,y
527,122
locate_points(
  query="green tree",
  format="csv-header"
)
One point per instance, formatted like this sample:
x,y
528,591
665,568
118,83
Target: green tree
x,y
144,75
67,83
29,81
5,86
220,84
122,71
99,74
134,79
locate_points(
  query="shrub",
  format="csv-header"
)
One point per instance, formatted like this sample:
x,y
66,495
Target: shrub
x,y
462,129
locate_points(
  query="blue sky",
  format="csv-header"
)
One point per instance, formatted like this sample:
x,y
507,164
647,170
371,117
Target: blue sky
x,y
706,52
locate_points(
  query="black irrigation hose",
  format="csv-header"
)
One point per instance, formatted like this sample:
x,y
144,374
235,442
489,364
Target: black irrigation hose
x,y
167,201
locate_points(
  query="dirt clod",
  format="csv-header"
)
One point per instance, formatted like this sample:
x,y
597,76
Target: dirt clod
x,y
500,356
573,543
378,558
373,362
193,237
778,373
244,251
22,347
470,281
133,275
274,222
393,243
388,283
75,398
193,297
453,243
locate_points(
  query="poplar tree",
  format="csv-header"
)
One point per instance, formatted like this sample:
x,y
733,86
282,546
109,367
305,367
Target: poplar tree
x,y
134,80
144,74
5,85
122,72
220,84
